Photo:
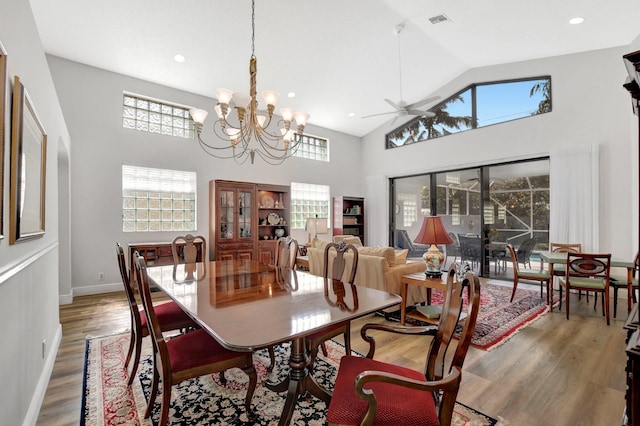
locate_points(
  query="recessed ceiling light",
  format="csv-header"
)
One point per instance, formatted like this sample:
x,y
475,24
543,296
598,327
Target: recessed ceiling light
x,y
352,114
577,20
291,94
178,58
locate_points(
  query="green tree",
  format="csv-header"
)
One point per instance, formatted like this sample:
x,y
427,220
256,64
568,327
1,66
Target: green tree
x,y
423,128
543,87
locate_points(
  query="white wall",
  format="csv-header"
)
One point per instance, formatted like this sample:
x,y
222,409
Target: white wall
x,y
590,106
91,100
29,270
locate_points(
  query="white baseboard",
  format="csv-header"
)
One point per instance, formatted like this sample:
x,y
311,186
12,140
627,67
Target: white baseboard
x,y
97,289
43,382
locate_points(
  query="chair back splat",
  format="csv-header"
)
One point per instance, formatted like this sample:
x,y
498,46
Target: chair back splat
x,y
286,252
185,249
370,392
339,262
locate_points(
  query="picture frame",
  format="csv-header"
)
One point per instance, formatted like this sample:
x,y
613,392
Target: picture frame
x,y
3,90
28,169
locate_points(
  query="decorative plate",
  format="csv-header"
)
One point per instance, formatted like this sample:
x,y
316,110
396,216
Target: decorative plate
x,y
273,218
267,202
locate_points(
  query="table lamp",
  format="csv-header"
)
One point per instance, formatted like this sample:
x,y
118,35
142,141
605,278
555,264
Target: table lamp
x,y
433,232
316,225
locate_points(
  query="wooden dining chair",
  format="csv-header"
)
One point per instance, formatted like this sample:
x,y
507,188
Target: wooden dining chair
x,y
621,281
286,253
170,317
370,392
541,277
185,250
187,356
587,272
316,340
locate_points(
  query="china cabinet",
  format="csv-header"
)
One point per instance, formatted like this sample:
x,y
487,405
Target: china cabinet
x,y
246,219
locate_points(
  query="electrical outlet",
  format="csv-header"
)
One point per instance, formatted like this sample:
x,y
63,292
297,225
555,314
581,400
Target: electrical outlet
x,y
44,347
101,276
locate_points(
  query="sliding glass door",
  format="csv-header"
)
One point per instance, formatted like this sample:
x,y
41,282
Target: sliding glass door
x,y
482,208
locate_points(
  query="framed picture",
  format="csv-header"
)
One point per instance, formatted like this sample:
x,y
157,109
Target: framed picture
x,y
3,90
28,169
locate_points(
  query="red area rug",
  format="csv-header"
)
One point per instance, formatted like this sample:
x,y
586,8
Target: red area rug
x,y
498,319
107,400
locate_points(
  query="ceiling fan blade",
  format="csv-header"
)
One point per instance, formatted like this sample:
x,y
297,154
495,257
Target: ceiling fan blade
x,y
393,120
375,115
393,104
417,112
423,102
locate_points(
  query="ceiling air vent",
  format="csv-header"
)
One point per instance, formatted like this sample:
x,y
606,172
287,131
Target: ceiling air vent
x,y
439,18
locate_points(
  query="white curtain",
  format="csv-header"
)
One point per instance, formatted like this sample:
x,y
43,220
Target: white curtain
x,y
574,196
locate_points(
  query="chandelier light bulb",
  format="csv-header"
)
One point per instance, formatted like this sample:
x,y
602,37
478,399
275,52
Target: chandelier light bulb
x,y
198,115
270,97
287,114
224,95
301,118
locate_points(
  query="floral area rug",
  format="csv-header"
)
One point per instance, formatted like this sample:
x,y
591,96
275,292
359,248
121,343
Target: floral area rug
x,y
498,318
107,400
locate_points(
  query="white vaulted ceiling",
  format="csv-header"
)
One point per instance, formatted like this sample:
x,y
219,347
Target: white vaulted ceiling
x,y
338,56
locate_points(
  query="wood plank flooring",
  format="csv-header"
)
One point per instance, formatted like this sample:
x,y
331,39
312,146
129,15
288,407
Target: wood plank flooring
x,y
553,372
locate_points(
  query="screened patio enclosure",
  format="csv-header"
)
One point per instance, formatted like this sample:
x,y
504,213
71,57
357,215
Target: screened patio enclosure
x,y
483,209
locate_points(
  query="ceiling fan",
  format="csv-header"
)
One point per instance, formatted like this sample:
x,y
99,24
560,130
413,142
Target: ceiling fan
x,y
402,108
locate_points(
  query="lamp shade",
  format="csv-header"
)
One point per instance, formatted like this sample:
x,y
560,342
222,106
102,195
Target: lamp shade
x,y
433,232
317,225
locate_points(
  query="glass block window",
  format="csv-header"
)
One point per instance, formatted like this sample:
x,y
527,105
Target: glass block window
x,y
158,200
308,200
313,148
409,209
153,116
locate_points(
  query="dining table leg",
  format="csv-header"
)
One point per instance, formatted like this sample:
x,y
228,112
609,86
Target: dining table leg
x,y
298,382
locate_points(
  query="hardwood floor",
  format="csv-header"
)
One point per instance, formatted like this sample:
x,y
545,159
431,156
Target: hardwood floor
x,y
553,372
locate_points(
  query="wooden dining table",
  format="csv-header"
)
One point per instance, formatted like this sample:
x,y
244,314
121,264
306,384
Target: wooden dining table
x,y
246,306
555,258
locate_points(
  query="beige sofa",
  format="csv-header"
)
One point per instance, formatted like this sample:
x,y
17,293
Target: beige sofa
x,y
380,268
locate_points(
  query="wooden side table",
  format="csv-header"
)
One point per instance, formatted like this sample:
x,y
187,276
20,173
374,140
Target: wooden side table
x,y
419,279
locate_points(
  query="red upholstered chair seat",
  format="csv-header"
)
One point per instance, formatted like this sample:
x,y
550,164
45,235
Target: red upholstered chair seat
x,y
170,315
195,349
409,407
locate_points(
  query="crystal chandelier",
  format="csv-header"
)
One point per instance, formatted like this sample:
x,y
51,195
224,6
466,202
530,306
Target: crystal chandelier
x,y
273,145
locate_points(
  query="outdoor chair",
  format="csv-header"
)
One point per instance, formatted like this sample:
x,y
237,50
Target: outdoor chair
x,y
404,242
